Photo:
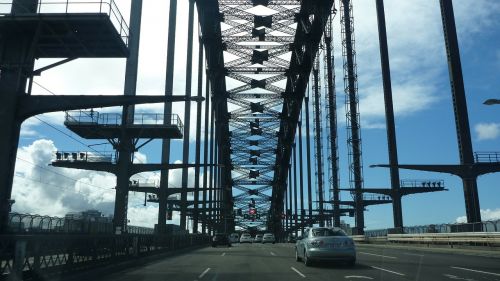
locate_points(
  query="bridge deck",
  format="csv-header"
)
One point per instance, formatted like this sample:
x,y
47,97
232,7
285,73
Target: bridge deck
x,y
277,262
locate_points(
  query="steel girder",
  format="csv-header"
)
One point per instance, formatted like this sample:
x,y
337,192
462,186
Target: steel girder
x,y
310,26
210,19
259,56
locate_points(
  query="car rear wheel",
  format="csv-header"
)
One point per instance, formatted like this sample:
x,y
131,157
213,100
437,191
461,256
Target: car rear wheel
x,y
307,261
297,258
351,262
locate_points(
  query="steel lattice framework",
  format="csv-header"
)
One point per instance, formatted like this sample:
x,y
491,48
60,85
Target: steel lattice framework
x,y
260,54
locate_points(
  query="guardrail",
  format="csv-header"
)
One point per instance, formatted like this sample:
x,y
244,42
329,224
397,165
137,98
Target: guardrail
x,y
107,7
484,226
91,117
37,224
46,257
471,238
85,156
491,239
486,157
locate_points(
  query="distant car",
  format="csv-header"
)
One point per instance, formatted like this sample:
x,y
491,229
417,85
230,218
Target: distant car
x,y
258,238
234,238
268,238
220,239
325,244
291,239
246,238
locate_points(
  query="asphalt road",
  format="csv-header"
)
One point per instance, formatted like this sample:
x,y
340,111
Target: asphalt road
x,y
277,262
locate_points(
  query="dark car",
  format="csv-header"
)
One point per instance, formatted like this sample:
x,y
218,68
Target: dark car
x,y
221,239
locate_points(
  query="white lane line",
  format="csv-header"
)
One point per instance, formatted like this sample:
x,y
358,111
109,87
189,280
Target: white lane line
x,y
223,254
474,270
370,254
298,272
273,254
410,254
390,271
203,273
357,277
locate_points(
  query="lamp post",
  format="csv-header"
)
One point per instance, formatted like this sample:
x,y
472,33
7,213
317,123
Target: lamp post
x,y
491,101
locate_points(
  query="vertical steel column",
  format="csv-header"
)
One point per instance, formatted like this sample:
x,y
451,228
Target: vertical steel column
x,y
319,165
17,52
216,178
167,110
295,201
301,177
332,113
198,138
187,116
308,153
211,187
205,156
460,107
389,117
353,117
286,209
290,198
125,147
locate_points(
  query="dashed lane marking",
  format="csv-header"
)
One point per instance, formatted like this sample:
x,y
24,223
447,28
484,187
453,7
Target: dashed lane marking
x,y
298,272
203,273
370,254
273,254
223,254
387,270
474,270
410,254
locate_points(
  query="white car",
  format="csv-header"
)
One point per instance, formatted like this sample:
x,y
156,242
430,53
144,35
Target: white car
x,y
234,238
246,238
258,238
268,238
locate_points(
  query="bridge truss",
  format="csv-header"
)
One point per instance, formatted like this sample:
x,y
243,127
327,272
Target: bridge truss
x,y
258,69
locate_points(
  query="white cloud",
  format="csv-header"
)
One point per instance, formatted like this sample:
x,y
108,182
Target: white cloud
x,y
486,215
46,190
487,131
415,61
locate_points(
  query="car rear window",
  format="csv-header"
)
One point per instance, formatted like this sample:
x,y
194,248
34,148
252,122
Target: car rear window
x,y
322,232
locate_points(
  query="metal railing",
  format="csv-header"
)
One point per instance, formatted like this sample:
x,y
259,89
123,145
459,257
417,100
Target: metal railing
x,y
84,156
376,197
107,7
422,183
487,157
91,117
44,257
485,226
38,224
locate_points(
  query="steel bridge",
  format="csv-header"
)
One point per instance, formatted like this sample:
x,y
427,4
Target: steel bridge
x,y
263,66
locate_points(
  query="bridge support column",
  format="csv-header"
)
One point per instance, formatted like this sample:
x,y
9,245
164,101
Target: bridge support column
x,y
472,207
187,115
301,178
308,154
169,85
389,117
16,65
125,147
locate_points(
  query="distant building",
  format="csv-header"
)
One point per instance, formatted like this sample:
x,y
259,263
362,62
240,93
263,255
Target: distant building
x,y
89,215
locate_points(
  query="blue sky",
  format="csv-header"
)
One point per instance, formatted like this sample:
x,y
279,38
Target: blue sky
x,y
424,114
